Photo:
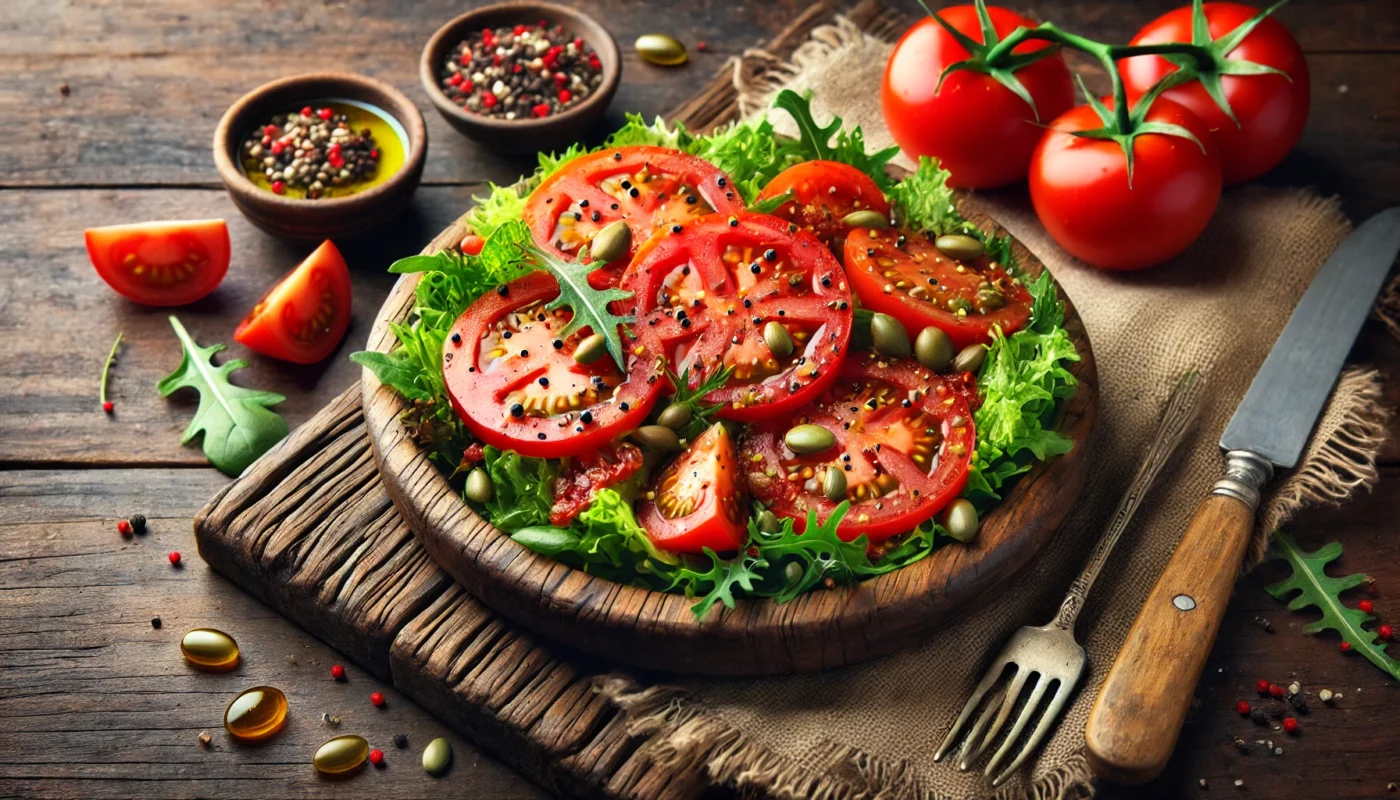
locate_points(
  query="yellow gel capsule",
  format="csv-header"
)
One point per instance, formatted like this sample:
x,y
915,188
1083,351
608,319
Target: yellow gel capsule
x,y
210,650
342,755
256,714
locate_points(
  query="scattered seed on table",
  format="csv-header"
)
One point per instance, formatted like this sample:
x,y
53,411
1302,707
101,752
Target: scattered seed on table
x,y
1366,606
155,622
1243,708
338,672
401,740
205,739
138,522
1264,623
1239,782
174,558
1325,695
520,72
1344,647
1294,687
376,757
1241,745
377,698
124,528
1259,717
1290,725
1275,690
1262,686
1385,631
64,89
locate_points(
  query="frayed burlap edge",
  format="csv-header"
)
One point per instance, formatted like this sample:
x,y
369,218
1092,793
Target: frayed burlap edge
x,y
758,74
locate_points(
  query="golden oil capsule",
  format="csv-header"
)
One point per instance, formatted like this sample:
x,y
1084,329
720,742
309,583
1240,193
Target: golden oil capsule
x,y
210,650
256,714
342,755
660,49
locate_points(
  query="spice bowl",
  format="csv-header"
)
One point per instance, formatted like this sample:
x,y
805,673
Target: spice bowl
x,y
402,135
525,133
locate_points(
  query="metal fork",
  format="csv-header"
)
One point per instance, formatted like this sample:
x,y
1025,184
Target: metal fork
x,y
1049,655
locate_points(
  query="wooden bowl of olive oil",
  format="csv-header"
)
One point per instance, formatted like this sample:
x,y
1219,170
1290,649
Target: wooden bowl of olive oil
x,y
275,192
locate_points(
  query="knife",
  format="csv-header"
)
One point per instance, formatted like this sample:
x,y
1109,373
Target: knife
x,y
1137,717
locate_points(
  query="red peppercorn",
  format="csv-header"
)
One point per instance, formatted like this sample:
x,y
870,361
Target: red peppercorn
x,y
124,528
518,29
107,406
1243,708
377,699
338,672
565,95
541,110
701,46
1385,631
1290,725
1262,685
174,558
488,100
1345,646
376,757
1367,606
271,130
1276,691
456,79
496,60
467,86
279,187
325,113
472,244
466,58
306,111
578,43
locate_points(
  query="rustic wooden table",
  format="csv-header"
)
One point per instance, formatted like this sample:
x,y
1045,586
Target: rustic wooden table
x,y
108,112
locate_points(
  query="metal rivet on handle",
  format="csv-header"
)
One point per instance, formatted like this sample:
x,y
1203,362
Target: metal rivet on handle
x,y
1185,602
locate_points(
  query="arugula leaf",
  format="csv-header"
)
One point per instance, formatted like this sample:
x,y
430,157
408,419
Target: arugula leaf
x,y
815,141
589,305
398,370
701,414
522,489
720,581
237,425
1315,588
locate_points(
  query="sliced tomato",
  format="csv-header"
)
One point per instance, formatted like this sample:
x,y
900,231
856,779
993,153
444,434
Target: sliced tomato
x,y
902,274
648,187
697,502
824,192
705,290
904,438
514,381
583,475
303,318
161,263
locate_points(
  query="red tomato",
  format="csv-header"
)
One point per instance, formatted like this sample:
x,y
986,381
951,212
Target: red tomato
x,y
824,192
584,474
1271,110
697,502
648,187
303,318
904,438
161,263
1080,190
516,385
704,294
978,129
902,274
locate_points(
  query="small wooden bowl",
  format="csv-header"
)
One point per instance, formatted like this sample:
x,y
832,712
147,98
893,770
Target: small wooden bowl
x,y
301,219
532,134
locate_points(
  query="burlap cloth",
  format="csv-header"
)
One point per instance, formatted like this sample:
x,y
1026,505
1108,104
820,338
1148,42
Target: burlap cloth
x,y
871,730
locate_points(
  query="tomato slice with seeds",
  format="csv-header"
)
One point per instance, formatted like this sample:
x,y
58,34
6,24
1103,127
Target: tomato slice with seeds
x,y
514,381
161,263
303,318
648,187
824,192
697,502
904,438
902,274
704,291
583,475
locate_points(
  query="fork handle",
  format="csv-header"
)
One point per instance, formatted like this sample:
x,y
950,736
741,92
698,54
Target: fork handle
x,y
1137,718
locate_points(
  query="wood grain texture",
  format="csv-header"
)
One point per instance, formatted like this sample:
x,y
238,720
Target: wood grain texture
x,y
1134,724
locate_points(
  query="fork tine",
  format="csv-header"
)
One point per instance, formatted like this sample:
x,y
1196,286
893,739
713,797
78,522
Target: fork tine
x,y
983,720
1037,694
1047,720
988,680
1018,684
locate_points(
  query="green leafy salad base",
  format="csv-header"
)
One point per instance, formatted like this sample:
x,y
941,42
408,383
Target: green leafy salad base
x,y
1023,380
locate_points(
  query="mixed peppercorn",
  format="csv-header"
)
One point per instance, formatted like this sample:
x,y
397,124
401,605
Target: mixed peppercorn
x,y
315,150
520,72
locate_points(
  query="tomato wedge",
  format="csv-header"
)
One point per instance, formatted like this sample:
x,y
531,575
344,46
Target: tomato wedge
x,y
904,438
516,385
161,263
303,318
704,292
648,187
902,274
697,502
823,193
583,475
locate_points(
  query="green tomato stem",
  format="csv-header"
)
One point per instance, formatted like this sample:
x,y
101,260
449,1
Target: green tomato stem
x,y
107,368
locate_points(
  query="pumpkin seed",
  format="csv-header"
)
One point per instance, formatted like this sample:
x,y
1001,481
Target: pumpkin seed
x,y
866,218
989,300
959,246
834,485
809,439
675,417
767,521
437,756
591,349
961,520
478,486
934,349
611,243
657,437
778,339
792,573
970,358
660,49
890,337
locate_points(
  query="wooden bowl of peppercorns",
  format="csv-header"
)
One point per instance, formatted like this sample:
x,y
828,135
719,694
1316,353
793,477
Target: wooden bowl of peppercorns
x,y
295,206
521,77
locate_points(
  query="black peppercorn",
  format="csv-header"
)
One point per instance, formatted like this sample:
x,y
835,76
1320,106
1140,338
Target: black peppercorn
x,y
400,740
138,523
155,622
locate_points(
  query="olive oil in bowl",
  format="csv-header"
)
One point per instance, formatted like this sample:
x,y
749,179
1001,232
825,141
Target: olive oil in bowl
x,y
329,148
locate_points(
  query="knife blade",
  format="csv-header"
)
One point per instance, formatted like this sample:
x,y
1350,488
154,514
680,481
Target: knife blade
x,y
1142,704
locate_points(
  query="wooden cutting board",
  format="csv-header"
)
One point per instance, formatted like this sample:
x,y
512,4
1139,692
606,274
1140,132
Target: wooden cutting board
x,y
819,630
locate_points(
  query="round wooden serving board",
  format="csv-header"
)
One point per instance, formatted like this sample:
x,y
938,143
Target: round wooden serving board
x,y
818,630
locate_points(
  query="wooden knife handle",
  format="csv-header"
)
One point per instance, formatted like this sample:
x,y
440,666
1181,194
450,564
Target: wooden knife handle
x,y
1140,709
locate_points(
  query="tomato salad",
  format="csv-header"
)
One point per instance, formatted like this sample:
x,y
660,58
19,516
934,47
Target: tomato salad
x,y
783,369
